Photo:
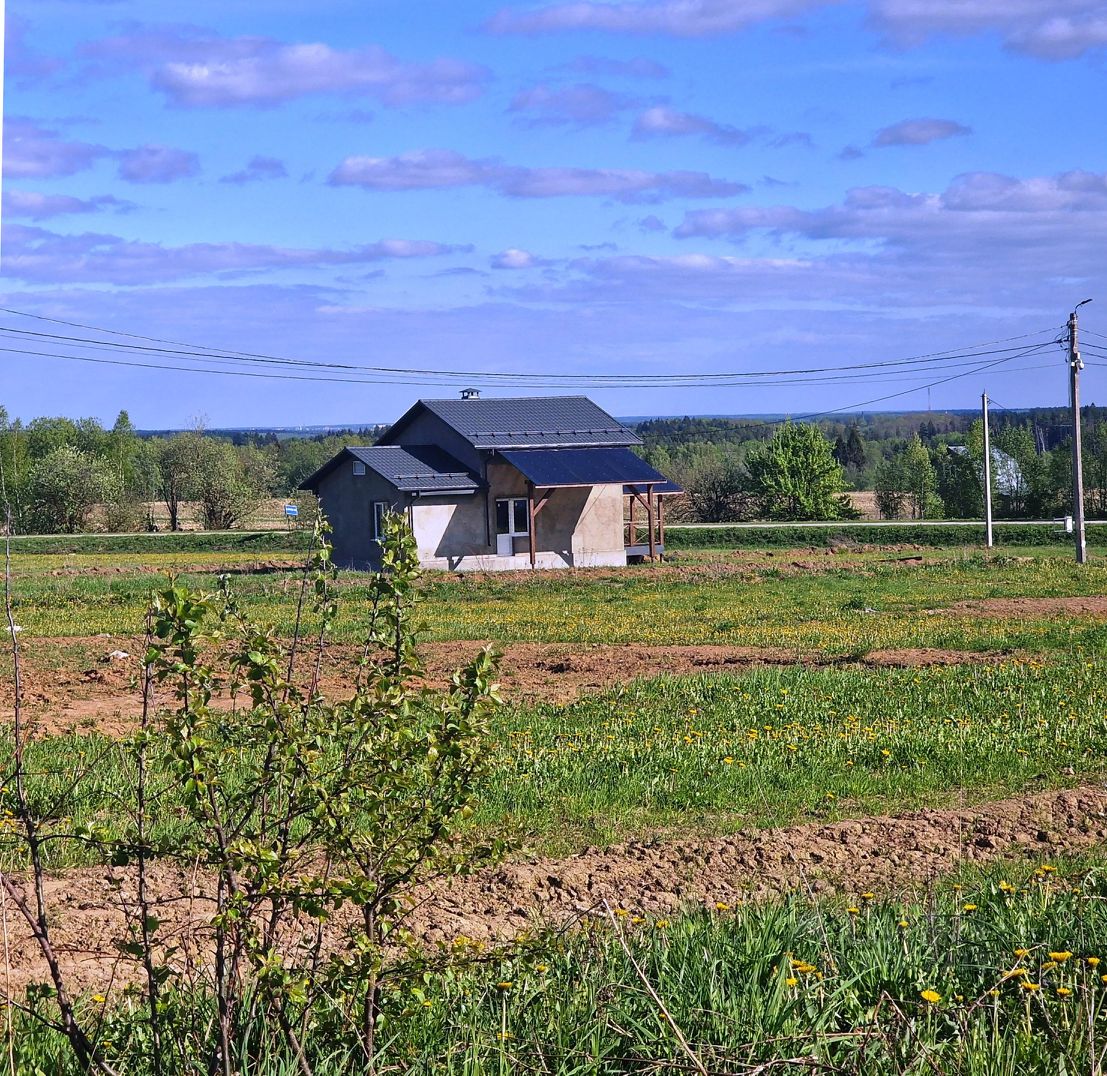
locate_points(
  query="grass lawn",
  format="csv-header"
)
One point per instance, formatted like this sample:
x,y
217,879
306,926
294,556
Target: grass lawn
x,y
870,604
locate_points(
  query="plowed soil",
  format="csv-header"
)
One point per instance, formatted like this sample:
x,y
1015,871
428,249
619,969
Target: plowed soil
x,y
100,693
888,854
1095,605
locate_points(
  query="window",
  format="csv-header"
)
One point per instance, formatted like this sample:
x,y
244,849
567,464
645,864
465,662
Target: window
x,y
380,510
512,516
359,467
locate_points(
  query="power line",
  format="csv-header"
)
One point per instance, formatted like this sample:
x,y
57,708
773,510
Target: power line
x,y
202,352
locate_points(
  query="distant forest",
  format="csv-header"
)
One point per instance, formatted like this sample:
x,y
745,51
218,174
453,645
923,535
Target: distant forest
x,y
64,475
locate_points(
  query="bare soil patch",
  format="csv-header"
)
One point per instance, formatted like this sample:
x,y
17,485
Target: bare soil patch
x,y
883,854
91,690
1094,605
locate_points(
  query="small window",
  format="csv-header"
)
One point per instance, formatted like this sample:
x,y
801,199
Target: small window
x,y
380,510
512,516
359,467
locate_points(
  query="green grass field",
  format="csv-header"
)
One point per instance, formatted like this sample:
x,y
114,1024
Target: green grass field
x,y
902,984
839,611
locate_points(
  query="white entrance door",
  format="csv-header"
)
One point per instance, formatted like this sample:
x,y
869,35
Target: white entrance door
x,y
512,521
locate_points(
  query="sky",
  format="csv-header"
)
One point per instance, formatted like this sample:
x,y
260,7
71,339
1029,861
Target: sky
x,y
633,188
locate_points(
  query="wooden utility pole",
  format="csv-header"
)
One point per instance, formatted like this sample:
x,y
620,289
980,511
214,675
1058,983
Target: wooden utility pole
x,y
988,539
1075,366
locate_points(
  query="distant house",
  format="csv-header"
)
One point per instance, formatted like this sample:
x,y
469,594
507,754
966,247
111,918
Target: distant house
x,y
497,484
1007,479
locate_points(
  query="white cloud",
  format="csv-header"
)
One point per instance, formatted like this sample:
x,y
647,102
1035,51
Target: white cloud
x,y
662,121
198,68
513,258
919,132
435,169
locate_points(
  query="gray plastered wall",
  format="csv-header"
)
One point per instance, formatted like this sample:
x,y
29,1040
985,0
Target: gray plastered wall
x,y
347,502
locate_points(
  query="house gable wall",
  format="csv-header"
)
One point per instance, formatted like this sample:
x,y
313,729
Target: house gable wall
x,y
347,500
426,428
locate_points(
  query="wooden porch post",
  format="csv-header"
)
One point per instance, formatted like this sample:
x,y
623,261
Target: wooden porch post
x,y
530,522
633,535
661,521
649,522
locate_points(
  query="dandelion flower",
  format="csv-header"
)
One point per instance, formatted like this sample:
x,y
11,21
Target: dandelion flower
x,y
507,984
1060,957
1022,952
1030,987
930,996
1064,991
1093,961
791,982
968,907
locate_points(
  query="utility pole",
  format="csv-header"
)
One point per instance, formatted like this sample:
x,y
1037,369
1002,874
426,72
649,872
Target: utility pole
x,y
1075,366
988,541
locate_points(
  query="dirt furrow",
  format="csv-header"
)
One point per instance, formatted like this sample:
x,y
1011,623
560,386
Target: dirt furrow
x,y
87,907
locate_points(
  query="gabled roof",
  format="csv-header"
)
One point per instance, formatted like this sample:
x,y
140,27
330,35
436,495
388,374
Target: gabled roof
x,y
524,422
549,468
410,468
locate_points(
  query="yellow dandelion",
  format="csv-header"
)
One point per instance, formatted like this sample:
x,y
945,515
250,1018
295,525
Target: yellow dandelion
x,y
1064,991
1030,987
930,996
1093,961
507,984
791,982
1060,957
968,907
1020,953
854,911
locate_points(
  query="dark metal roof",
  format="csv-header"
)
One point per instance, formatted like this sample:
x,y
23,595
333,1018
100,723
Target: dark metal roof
x,y
548,467
410,468
662,489
526,422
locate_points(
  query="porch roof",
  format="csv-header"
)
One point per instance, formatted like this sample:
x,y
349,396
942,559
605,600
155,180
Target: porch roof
x,y
549,468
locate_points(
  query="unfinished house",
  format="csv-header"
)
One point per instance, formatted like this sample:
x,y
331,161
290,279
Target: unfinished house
x,y
497,484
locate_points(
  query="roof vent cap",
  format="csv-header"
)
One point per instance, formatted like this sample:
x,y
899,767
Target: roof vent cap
x,y
470,394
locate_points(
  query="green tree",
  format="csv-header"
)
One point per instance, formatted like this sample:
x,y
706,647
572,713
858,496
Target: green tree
x,y
959,485
123,445
891,486
921,482
1095,472
63,487
228,483
795,476
716,488
855,448
176,464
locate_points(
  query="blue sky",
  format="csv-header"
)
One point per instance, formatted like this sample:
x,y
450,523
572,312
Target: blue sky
x,y
634,187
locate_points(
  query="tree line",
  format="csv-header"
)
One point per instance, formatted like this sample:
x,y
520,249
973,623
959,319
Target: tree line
x,y
918,466
56,472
